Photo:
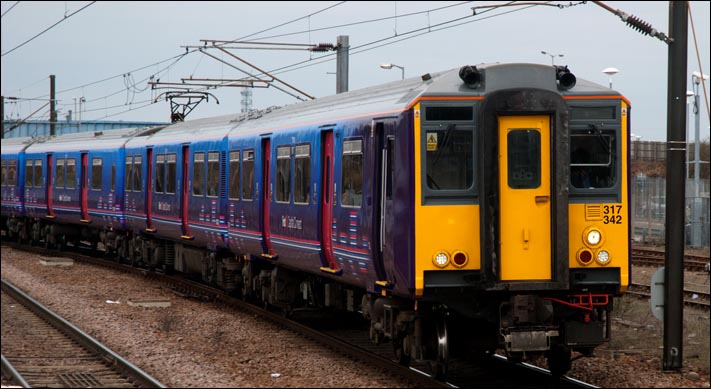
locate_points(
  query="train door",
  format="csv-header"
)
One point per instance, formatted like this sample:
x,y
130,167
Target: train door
x,y
267,191
327,198
524,187
149,191
383,249
185,192
49,185
84,184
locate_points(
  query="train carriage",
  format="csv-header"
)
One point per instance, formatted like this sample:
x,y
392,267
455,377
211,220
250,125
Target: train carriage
x,y
12,185
481,208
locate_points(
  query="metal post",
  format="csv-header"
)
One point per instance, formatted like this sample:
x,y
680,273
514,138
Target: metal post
x,y
52,111
675,191
2,117
342,64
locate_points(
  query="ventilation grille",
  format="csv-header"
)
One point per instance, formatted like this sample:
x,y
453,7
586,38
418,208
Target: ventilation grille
x,y
593,212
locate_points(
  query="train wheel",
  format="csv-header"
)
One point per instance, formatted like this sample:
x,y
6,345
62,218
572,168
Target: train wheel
x,y
440,365
559,361
400,356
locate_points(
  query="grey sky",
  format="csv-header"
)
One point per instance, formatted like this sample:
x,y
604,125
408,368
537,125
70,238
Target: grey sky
x,y
112,40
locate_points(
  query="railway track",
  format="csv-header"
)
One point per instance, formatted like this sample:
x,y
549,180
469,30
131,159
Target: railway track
x,y
40,349
692,298
350,336
655,258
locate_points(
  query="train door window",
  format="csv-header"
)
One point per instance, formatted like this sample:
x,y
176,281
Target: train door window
x,y
96,172
160,173
170,173
213,173
198,173
302,173
29,170
137,173
113,177
283,174
70,177
592,159
352,173
59,177
4,173
234,176
38,173
127,181
524,158
390,168
248,175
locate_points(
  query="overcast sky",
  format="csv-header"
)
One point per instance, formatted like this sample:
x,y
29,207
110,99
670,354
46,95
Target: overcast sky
x,y
107,52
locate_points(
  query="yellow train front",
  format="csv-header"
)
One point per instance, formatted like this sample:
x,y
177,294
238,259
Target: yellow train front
x,y
521,217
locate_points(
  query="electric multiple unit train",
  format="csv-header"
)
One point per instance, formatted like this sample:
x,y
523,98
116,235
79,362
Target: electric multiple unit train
x,y
476,209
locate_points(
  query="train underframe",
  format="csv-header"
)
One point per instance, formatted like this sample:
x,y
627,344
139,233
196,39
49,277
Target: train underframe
x,y
523,325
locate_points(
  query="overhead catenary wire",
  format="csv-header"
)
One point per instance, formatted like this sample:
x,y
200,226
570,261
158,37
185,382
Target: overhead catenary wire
x,y
11,7
47,29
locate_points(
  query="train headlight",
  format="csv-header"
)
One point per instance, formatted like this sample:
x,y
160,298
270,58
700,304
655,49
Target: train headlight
x,y
603,257
593,237
441,259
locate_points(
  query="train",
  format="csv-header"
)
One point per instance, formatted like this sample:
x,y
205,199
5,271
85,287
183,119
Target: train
x,y
464,212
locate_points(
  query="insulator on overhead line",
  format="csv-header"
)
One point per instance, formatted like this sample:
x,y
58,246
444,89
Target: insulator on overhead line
x,y
322,47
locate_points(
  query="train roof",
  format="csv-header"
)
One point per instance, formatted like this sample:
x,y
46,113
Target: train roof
x,y
15,145
381,100
98,140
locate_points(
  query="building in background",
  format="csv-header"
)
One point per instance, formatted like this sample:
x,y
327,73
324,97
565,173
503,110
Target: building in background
x,y
37,128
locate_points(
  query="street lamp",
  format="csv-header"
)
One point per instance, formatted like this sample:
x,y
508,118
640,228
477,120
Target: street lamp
x,y
697,236
552,56
610,72
391,65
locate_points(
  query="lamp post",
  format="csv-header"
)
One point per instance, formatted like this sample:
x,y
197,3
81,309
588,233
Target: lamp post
x,y
689,99
391,65
610,72
552,56
696,211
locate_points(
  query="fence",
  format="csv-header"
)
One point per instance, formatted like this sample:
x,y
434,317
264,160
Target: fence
x,y
649,211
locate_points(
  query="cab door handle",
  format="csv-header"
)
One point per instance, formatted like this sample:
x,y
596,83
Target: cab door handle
x,y
542,199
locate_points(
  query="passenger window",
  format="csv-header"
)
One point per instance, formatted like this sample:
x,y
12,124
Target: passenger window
x,y
234,175
59,177
71,174
592,160
113,177
248,175
38,173
170,174
213,173
12,173
28,173
283,174
302,175
352,173
198,173
524,158
160,173
96,171
4,173
127,176
137,173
